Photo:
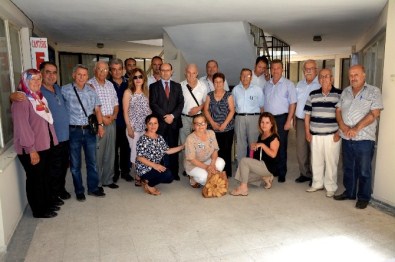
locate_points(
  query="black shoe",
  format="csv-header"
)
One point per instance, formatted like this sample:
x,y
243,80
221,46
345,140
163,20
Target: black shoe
x,y
57,201
113,186
48,214
115,178
64,195
177,177
81,197
54,208
302,179
127,177
281,179
343,197
97,193
184,173
101,189
361,204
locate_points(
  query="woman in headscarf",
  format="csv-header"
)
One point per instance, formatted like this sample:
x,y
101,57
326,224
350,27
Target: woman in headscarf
x,y
34,134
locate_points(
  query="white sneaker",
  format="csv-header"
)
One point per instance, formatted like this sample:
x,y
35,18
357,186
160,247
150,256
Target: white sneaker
x,y
330,194
313,189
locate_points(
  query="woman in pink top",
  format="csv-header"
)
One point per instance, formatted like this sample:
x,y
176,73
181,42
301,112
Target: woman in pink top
x,y
34,134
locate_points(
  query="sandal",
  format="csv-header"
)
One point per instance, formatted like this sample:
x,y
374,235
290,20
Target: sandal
x,y
193,183
151,190
268,181
137,181
238,192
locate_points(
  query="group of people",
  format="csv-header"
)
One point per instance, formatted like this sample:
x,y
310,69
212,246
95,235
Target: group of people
x,y
143,122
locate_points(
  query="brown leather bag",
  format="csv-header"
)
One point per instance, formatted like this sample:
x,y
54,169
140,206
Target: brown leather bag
x,y
216,185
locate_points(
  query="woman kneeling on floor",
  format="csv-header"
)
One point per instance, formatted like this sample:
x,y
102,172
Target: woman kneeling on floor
x,y
201,153
263,165
151,148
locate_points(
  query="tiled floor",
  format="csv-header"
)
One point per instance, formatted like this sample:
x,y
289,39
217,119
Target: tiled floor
x,y
281,224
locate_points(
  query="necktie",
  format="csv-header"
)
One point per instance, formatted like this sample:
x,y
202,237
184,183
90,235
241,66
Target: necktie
x,y
167,89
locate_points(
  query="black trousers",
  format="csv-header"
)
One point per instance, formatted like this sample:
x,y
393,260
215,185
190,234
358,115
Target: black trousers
x,y
122,153
225,142
171,137
37,179
282,151
58,162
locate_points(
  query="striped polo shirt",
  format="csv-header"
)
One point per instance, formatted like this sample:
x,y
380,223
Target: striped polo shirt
x,y
322,111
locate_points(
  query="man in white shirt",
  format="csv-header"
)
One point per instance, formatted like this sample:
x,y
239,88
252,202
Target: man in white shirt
x,y
156,62
260,74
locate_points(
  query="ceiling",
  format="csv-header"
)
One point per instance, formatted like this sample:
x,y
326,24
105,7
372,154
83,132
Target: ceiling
x,y
85,23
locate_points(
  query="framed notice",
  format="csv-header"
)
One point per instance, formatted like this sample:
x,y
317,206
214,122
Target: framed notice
x,y
39,48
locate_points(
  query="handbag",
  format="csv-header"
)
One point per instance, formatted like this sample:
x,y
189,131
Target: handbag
x,y
216,185
92,119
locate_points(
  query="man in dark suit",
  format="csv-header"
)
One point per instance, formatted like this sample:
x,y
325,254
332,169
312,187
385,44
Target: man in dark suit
x,y
166,102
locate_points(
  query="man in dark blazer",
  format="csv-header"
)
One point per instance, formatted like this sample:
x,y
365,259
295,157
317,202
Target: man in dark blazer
x,y
166,102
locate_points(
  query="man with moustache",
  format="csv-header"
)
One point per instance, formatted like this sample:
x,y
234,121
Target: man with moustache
x,y
130,64
280,100
80,135
303,89
357,112
167,101
156,63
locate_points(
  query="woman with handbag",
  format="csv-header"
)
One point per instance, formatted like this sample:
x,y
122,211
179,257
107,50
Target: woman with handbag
x,y
34,134
135,110
151,148
201,153
219,110
263,165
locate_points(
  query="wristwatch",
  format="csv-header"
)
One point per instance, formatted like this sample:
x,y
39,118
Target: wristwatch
x,y
101,124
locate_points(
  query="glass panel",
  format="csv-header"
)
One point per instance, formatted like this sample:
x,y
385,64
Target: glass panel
x,y
89,61
5,89
67,63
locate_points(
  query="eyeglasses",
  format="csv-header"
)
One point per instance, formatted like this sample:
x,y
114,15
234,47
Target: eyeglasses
x,y
137,77
325,76
102,70
200,124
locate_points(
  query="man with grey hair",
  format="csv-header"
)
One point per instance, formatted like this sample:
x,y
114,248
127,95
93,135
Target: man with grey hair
x,y
122,149
303,89
109,109
80,135
194,92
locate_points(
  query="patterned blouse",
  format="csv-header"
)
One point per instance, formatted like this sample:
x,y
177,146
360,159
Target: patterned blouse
x,y
151,149
138,111
219,110
198,149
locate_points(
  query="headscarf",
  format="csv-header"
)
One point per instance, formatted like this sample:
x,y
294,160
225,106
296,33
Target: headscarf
x,y
37,99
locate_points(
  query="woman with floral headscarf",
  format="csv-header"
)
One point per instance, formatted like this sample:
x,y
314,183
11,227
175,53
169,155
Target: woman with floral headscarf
x,y
34,134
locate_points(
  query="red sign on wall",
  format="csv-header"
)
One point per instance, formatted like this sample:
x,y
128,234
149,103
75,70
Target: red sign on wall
x,y
39,49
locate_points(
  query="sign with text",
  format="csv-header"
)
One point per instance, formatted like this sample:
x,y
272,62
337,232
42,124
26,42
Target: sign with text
x,y
39,48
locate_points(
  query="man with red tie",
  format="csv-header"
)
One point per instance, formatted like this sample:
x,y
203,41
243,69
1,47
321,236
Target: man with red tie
x,y
167,101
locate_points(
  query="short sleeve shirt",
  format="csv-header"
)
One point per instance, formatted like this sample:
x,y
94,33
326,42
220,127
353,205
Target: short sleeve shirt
x,y
151,149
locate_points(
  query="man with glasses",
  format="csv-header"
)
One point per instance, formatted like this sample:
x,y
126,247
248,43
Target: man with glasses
x,y
109,109
122,149
166,102
249,104
303,89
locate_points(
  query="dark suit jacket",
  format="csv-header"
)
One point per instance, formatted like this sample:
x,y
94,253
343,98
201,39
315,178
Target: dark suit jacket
x,y
161,106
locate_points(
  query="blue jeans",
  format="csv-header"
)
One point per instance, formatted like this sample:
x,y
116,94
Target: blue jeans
x,y
357,168
82,138
154,177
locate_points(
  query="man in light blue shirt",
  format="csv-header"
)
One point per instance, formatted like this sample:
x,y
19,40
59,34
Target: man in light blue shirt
x,y
303,89
280,100
249,104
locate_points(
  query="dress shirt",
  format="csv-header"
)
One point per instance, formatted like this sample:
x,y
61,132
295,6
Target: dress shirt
x,y
210,85
248,100
59,112
107,95
151,80
279,96
353,109
200,93
259,81
302,93
89,99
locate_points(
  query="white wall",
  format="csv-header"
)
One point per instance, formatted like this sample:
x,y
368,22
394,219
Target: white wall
x,y
384,183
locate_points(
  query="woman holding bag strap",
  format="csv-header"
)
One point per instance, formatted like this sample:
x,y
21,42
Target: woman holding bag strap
x,y
263,165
